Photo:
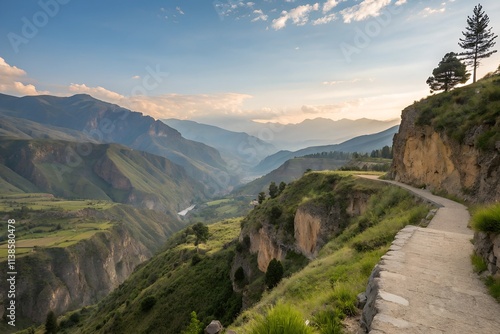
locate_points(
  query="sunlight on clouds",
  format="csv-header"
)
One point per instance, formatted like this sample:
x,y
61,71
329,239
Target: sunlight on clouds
x,y
430,11
364,10
10,81
97,92
260,15
329,5
325,19
299,16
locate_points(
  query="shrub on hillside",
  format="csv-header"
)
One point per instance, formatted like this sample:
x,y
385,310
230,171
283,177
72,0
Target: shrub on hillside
x,y
487,219
281,319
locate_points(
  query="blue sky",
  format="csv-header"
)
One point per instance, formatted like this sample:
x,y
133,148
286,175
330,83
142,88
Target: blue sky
x,y
269,60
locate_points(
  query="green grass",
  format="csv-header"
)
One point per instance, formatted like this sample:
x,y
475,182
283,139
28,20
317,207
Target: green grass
x,y
493,285
487,219
280,319
478,263
47,202
461,110
61,238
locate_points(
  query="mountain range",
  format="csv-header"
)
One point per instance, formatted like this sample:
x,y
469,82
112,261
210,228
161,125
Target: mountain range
x,y
310,132
82,117
241,151
360,144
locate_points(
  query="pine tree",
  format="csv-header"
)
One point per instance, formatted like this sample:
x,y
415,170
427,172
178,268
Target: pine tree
x,y
478,39
195,326
51,323
449,73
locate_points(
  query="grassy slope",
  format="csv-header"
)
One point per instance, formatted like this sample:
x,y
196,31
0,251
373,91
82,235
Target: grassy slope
x,y
325,290
461,110
291,170
178,284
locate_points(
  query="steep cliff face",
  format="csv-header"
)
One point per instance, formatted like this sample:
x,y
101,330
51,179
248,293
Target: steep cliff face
x,y
309,228
315,224
424,156
62,279
66,278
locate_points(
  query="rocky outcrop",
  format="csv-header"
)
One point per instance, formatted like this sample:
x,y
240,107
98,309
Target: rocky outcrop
x,y
313,225
106,169
487,246
425,157
63,279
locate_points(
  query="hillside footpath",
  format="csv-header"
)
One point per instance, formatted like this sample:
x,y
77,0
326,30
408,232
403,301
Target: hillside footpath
x,y
425,282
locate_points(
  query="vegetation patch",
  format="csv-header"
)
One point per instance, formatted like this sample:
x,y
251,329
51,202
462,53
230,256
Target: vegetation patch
x,y
458,112
487,219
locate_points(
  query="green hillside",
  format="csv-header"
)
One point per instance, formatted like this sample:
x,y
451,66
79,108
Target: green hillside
x,y
459,112
84,118
160,295
291,170
100,171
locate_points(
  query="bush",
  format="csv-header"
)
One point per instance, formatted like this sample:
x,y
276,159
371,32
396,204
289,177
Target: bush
x,y
274,273
148,303
281,319
487,219
239,274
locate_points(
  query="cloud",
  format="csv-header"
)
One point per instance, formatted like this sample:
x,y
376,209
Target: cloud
x,y
260,15
298,15
325,19
329,109
11,78
179,10
364,10
400,2
97,92
170,105
136,77
431,11
341,82
329,5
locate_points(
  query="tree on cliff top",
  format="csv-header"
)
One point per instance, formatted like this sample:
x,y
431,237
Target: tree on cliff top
x,y
478,39
449,73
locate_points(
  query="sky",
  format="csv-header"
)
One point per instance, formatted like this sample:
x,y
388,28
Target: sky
x,y
268,60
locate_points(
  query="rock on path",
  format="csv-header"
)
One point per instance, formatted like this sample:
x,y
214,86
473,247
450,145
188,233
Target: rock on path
x,y
425,282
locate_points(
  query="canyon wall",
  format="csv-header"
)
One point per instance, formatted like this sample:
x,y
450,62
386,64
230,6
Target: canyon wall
x,y
425,157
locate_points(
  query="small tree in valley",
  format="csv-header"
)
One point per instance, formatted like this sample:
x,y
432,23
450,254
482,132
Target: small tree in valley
x,y
262,197
273,190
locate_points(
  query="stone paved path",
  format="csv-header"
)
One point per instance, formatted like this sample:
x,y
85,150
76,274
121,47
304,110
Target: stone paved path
x,y
426,283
